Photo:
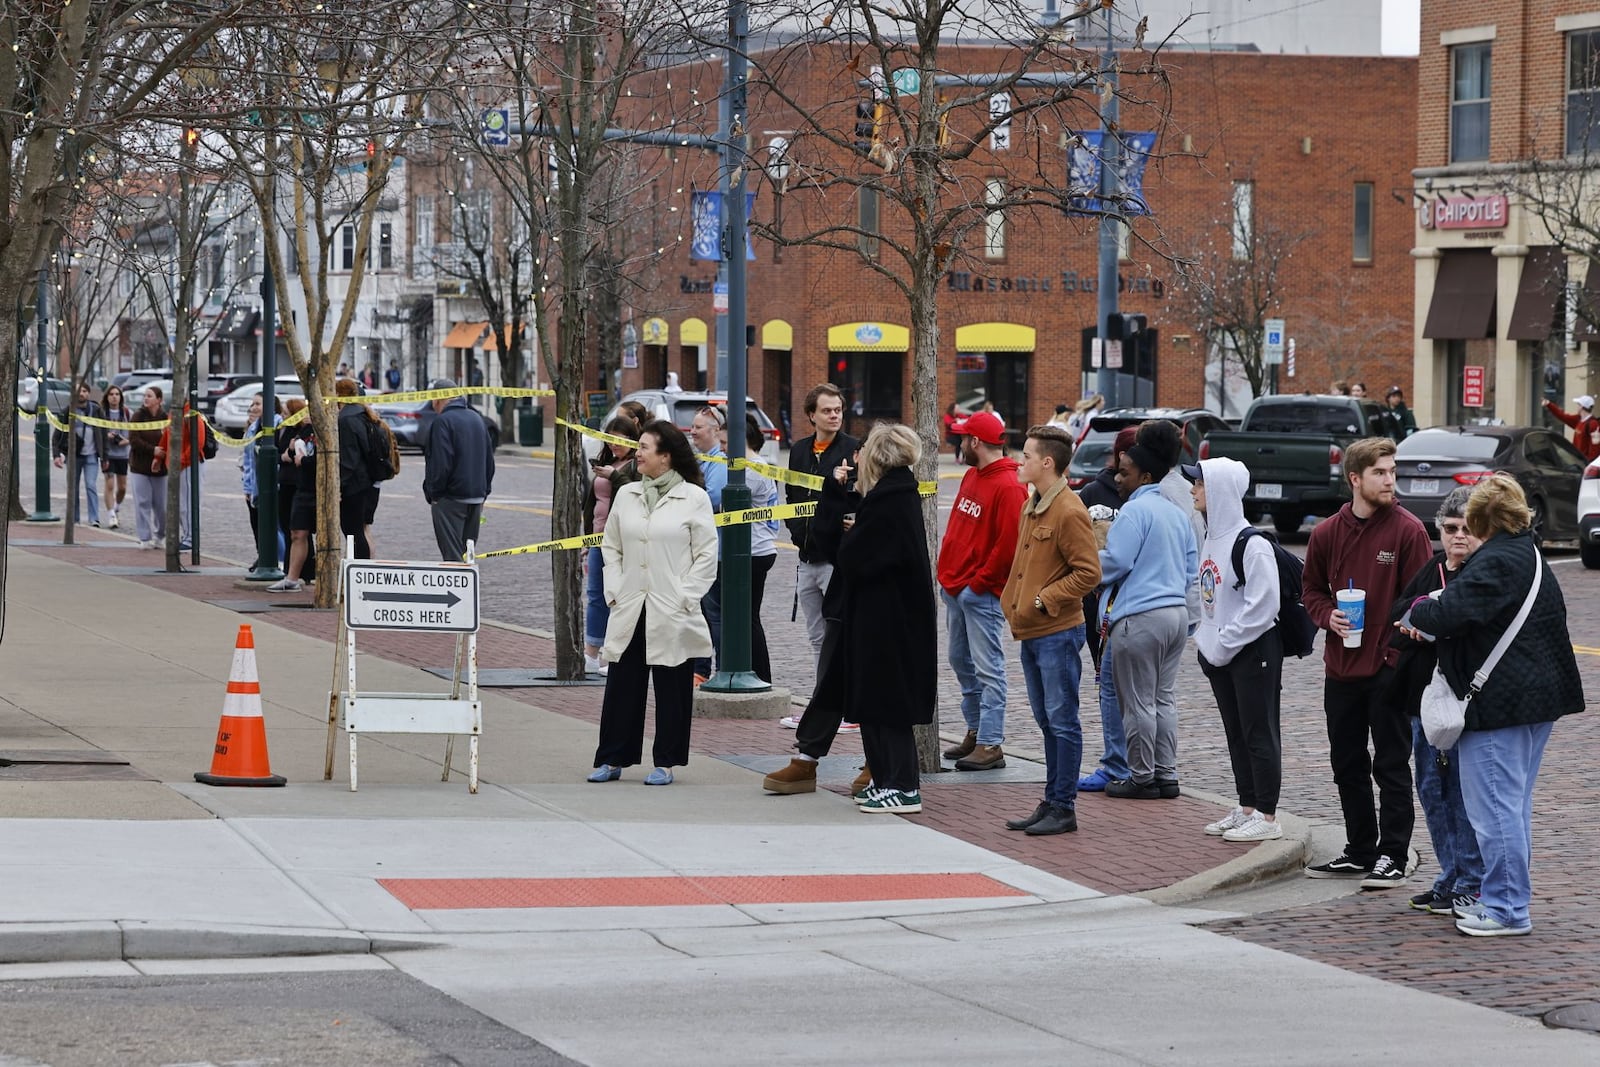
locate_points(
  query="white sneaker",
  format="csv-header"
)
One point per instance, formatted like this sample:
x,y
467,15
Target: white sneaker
x,y
1233,819
790,722
849,728
114,523
1255,828
285,585
595,665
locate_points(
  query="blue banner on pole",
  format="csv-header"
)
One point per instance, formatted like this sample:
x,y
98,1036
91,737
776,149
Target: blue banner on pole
x,y
707,223
1084,167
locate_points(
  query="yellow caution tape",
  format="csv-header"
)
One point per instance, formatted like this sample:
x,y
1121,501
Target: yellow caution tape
x,y
586,541
599,435
781,511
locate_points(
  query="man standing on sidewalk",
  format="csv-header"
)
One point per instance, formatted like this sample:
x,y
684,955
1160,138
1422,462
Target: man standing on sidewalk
x,y
1054,565
974,562
1374,546
816,455
1240,652
459,471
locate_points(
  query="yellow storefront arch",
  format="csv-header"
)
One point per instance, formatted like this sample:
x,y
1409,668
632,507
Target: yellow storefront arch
x,y
868,337
995,337
654,332
692,332
775,333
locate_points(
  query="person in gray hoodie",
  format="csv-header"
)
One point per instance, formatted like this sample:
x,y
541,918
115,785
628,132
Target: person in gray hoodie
x,y
1240,652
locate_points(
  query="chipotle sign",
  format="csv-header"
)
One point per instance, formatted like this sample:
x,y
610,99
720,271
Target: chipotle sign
x,y
1464,213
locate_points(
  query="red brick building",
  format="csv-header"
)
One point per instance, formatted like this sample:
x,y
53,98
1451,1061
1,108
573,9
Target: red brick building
x,y
1316,150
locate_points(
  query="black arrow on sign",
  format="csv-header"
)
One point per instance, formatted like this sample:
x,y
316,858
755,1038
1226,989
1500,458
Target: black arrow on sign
x,y
447,599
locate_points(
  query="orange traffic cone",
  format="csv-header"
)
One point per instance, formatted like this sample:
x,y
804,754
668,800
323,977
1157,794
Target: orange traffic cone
x,y
241,752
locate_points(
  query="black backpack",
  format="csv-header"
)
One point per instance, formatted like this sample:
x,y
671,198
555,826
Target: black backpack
x,y
379,469
1295,628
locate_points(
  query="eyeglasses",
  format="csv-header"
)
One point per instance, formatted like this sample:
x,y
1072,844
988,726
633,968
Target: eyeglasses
x,y
1453,529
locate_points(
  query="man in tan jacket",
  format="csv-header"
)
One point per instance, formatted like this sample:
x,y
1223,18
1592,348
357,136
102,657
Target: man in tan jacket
x,y
1055,565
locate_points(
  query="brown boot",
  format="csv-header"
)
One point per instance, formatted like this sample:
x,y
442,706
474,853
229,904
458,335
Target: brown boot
x,y
964,749
863,782
800,776
983,758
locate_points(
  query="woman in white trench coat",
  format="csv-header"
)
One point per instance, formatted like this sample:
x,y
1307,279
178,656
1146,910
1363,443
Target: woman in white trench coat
x,y
660,556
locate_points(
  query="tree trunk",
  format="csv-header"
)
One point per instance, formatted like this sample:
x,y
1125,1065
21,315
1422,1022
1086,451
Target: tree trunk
x,y
567,504
330,540
926,421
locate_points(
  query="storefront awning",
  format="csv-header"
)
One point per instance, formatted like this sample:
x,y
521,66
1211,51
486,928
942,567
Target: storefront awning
x,y
1544,276
692,332
238,323
994,337
654,332
465,334
1587,324
777,334
492,342
1463,297
868,337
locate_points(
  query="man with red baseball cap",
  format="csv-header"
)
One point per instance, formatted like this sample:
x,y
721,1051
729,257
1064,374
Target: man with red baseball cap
x,y
974,563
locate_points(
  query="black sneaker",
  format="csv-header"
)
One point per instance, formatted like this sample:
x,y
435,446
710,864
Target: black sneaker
x,y
1028,820
1168,787
1385,874
1341,867
1432,902
1128,789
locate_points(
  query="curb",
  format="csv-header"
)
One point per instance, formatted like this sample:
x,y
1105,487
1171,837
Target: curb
x,y
131,939
1256,864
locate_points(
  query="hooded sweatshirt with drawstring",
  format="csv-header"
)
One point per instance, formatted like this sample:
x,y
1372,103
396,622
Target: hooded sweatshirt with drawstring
x,y
1230,618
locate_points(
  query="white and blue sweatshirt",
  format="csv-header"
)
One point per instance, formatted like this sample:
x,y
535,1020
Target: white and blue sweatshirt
x,y
1232,618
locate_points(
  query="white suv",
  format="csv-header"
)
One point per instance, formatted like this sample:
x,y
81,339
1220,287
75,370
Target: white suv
x,y
1589,516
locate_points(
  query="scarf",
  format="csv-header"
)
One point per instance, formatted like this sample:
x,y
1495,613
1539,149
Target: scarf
x,y
656,488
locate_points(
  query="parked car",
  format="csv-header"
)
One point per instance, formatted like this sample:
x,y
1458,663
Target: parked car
x,y
1430,463
57,394
233,410
408,420
1589,516
680,408
1294,448
129,379
1092,451
217,386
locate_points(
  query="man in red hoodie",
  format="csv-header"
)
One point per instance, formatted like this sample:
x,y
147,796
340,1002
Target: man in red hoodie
x,y
974,563
1375,546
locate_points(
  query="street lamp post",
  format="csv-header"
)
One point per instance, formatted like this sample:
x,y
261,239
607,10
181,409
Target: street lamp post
x,y
41,409
777,168
267,561
1110,191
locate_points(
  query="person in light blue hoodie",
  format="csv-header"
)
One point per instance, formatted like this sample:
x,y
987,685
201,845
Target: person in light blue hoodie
x,y
1149,563
1240,651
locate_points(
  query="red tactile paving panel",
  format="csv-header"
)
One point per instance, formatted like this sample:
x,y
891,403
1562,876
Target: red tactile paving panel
x,y
453,893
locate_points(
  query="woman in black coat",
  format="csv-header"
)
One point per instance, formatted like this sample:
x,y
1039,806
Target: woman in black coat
x,y
886,612
1509,720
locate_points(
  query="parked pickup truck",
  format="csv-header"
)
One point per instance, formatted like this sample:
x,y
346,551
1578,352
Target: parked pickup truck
x,y
1294,448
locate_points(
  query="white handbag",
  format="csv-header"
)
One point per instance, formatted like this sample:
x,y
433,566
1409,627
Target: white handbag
x,y
1444,715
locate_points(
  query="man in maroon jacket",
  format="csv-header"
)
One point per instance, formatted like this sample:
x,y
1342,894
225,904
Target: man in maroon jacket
x,y
974,563
1374,546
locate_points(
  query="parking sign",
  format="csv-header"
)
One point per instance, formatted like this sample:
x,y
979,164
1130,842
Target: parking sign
x,y
1272,348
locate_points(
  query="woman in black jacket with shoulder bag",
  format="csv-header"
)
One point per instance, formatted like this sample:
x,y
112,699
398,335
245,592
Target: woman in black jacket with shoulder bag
x,y
1509,720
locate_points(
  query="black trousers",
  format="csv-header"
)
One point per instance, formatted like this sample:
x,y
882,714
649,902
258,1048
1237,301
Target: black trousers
x,y
760,657
1356,710
622,710
819,723
1247,691
353,521
892,755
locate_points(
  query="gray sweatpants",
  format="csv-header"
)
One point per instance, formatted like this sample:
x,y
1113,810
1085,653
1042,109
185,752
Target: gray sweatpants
x,y
1149,649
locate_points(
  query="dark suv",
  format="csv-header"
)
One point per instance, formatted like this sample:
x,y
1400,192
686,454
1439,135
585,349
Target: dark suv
x,y
1092,452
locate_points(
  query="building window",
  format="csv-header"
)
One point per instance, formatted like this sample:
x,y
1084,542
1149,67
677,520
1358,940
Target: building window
x,y
477,225
1361,244
344,255
1469,102
1583,93
385,245
994,219
1244,226
867,218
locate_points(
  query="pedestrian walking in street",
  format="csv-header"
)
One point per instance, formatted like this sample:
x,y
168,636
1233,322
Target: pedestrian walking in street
x,y
1371,546
297,467
1238,647
660,551
1585,427
974,563
87,444
115,464
1105,493
458,472
147,466
248,480
613,468
392,377
1149,563
1054,566
705,434
886,618
1438,773
1509,720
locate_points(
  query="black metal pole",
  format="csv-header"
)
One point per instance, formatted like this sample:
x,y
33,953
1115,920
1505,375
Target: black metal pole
x,y
267,561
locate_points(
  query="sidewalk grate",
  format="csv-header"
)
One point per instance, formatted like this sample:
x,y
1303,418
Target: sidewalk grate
x,y
672,891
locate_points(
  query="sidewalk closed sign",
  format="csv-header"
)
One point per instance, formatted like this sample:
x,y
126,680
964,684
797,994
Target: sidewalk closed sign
x,y
411,596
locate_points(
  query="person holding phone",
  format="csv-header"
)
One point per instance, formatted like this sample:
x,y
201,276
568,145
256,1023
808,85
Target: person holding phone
x,y
613,468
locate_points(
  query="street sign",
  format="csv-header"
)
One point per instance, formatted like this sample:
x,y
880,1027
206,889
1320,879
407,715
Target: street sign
x,y
1472,387
1114,354
719,297
411,596
496,124
1272,347
907,81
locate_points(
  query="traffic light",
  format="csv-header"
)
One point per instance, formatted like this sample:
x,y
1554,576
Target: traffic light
x,y
1120,327
866,126
372,155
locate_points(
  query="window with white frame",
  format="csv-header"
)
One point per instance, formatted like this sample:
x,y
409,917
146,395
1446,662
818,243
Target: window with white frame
x,y
385,245
344,249
1583,92
994,219
422,236
1469,101
477,224
1244,226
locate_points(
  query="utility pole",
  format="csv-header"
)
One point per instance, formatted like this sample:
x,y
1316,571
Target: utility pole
x,y
1110,188
41,411
267,569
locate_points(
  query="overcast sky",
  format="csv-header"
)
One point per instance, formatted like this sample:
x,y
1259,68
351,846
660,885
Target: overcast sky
x,y
1400,27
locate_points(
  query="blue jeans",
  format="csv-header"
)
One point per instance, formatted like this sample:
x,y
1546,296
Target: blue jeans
x,y
599,612
1052,666
976,623
1498,768
1115,758
89,482
1439,792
